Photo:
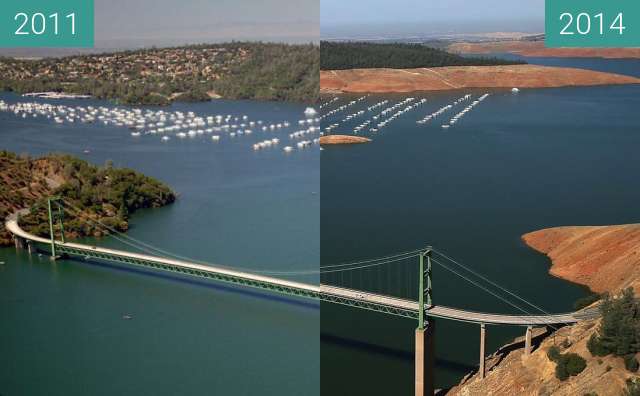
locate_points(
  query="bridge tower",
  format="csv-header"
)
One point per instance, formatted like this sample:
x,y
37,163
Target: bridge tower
x,y
425,346
55,215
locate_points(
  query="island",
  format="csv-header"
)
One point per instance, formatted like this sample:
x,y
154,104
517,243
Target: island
x,y
159,76
342,139
93,194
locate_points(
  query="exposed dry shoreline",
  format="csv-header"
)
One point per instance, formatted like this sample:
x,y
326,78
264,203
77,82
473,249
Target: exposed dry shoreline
x,y
342,139
603,258
463,77
537,49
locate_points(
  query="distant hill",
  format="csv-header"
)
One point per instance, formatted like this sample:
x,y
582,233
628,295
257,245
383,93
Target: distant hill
x,y
361,55
237,70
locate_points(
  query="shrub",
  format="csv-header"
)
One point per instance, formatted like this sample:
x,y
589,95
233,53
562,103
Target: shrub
x,y
553,353
570,364
619,332
633,387
631,363
595,347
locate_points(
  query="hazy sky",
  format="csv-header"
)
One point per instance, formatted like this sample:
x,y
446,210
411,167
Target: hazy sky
x,y
162,22
499,14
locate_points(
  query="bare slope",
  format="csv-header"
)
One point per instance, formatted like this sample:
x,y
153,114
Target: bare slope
x,y
604,258
458,77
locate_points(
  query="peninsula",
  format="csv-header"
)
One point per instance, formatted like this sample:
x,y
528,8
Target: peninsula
x,y
383,80
388,68
100,193
603,258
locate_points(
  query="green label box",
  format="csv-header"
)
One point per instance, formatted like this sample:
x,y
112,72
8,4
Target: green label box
x,y
592,23
46,23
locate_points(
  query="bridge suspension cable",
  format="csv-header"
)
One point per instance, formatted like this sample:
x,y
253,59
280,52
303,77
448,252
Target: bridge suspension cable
x,y
151,249
494,284
499,297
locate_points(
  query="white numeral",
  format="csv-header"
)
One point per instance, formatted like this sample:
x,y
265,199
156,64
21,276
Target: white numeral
x,y
43,23
564,31
620,28
24,23
73,22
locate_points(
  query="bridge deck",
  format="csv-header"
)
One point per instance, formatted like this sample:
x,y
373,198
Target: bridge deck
x,y
333,294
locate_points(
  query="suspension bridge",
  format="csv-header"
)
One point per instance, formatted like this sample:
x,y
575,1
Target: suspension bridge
x,y
333,288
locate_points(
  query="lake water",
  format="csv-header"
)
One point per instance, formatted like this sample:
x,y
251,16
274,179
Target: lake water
x,y
62,324
514,164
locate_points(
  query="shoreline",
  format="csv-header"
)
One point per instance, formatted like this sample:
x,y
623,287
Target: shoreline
x,y
601,258
537,49
463,77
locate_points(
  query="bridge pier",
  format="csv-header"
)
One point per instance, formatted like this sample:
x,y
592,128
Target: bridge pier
x,y
425,360
483,336
31,247
19,242
527,341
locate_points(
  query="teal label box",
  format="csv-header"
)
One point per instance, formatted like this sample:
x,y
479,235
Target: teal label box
x,y
592,23
46,23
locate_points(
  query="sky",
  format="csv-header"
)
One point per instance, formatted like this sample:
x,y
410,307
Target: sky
x,y
434,15
125,23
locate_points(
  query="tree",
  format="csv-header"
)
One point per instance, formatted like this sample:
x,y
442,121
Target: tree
x,y
619,331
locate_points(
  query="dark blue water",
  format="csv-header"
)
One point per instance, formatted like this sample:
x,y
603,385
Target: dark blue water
x,y
514,164
630,67
61,324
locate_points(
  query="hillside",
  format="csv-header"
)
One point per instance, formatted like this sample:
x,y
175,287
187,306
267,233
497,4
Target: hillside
x,y
510,372
603,258
607,260
459,77
105,194
360,55
238,70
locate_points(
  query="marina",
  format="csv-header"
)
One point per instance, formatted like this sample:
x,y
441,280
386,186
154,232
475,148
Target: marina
x,y
168,124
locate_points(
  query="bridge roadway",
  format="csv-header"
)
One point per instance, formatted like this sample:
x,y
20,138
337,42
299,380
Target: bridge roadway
x,y
338,295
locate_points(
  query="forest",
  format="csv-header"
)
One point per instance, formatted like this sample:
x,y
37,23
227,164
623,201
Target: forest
x,y
359,55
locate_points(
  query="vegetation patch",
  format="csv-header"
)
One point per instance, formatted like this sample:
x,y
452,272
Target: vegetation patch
x,y
619,331
633,387
93,194
567,365
159,76
631,363
359,55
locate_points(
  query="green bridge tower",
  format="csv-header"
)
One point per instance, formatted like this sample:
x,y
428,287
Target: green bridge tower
x,y
424,347
55,215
